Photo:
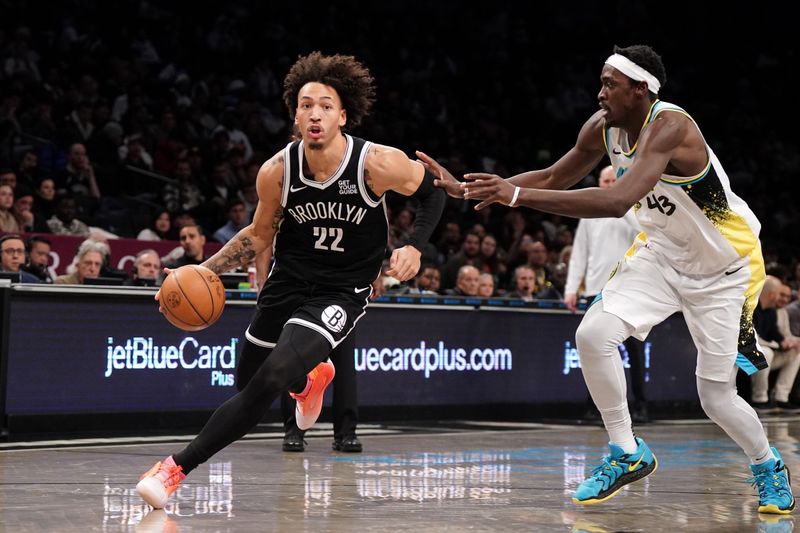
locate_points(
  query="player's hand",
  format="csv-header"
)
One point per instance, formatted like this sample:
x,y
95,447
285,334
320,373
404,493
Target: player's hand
x,y
571,302
446,181
490,188
404,263
167,272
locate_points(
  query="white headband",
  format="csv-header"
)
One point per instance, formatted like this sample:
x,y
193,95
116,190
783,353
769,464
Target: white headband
x,y
634,71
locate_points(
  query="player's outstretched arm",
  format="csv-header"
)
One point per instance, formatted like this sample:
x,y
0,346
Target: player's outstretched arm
x,y
258,236
658,143
387,169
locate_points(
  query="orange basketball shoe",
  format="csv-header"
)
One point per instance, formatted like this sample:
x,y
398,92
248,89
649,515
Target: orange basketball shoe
x,y
158,483
309,402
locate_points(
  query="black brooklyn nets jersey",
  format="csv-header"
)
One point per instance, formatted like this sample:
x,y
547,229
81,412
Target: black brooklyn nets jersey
x,y
333,232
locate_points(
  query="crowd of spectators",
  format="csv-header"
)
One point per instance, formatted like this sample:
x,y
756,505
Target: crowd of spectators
x,y
131,119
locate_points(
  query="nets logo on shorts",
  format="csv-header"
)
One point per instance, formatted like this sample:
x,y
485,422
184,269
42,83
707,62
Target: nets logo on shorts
x,y
334,318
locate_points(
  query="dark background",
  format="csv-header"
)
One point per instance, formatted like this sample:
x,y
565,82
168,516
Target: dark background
x,y
502,86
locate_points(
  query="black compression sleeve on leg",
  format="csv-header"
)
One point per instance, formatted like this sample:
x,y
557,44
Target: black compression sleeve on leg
x,y
432,201
298,350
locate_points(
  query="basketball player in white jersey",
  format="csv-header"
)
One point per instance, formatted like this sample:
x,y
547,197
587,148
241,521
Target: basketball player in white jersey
x,y
699,253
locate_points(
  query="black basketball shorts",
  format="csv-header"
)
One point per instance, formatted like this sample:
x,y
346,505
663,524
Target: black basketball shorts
x,y
329,310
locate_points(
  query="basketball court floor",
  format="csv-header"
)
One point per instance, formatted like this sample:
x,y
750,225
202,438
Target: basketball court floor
x,y
468,476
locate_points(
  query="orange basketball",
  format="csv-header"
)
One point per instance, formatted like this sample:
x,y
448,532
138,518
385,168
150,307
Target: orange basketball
x,y
192,297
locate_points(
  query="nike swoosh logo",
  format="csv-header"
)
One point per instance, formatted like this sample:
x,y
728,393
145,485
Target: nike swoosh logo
x,y
358,291
632,467
295,189
616,151
734,271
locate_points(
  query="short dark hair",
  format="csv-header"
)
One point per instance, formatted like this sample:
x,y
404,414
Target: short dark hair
x,y
351,80
645,57
33,239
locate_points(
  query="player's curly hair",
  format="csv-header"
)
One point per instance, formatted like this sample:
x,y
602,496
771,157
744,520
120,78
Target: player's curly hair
x,y
351,80
647,58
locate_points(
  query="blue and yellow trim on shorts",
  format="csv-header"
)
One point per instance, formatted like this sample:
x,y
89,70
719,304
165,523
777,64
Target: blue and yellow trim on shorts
x,y
748,356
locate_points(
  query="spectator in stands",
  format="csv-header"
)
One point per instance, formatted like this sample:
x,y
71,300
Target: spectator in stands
x,y
782,353
237,219
218,193
524,284
492,257
192,241
537,260
27,171
78,180
9,222
64,221
403,225
88,262
12,257
469,255
466,282
8,177
448,244
793,313
161,229
427,281
39,258
78,127
486,285
23,207
44,203
184,195
146,269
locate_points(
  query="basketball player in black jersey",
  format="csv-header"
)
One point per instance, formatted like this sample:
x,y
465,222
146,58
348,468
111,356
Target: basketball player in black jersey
x,y
321,203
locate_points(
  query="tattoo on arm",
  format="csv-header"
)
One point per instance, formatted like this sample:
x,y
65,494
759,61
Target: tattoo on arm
x,y
237,252
276,220
368,179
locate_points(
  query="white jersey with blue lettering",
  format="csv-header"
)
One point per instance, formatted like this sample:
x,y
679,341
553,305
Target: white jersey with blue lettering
x,y
695,222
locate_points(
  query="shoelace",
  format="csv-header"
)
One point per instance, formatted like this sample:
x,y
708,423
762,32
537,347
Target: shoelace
x,y
770,484
173,474
608,469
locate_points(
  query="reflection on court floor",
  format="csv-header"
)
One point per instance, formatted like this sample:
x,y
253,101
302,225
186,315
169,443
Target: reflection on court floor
x,y
486,480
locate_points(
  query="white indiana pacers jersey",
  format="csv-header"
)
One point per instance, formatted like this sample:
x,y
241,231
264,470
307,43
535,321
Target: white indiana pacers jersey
x,y
696,222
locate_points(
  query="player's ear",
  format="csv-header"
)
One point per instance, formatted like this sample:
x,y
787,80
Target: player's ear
x,y
343,118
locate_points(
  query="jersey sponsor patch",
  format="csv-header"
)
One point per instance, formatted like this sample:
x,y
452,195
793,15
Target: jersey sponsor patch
x,y
334,318
345,187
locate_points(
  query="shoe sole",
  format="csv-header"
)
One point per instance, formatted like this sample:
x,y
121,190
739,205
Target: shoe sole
x,y
152,491
595,501
348,449
305,422
774,509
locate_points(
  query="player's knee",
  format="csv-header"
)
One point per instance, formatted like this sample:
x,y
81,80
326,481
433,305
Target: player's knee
x,y
282,368
591,339
715,397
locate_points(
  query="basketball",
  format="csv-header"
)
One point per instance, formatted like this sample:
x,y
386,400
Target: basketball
x,y
192,297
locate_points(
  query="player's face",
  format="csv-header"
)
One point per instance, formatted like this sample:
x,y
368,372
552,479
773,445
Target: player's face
x,y
616,96
319,117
